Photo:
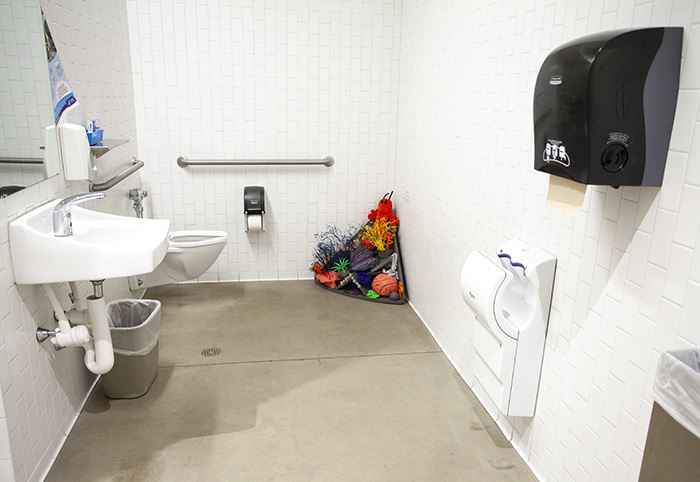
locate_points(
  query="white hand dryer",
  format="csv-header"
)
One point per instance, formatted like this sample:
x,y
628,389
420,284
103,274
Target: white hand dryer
x,y
510,296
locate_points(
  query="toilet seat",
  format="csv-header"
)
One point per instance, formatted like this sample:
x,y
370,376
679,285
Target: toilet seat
x,y
193,239
190,254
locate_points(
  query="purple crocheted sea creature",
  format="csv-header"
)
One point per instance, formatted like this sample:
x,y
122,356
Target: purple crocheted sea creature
x,y
362,260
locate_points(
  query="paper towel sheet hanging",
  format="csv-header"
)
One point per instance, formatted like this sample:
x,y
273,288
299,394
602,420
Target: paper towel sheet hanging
x,y
565,196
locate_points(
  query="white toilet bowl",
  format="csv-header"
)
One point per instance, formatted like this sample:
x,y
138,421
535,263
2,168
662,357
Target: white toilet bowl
x,y
190,254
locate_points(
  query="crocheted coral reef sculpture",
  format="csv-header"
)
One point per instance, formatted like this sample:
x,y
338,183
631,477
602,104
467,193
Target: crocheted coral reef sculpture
x,y
363,261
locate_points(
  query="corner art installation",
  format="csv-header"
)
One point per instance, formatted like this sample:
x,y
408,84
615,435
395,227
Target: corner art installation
x,y
364,262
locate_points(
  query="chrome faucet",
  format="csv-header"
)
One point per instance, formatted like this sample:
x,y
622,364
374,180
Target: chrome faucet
x,y
62,220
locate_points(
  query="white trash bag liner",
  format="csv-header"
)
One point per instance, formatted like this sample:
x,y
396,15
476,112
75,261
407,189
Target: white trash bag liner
x,y
134,326
677,387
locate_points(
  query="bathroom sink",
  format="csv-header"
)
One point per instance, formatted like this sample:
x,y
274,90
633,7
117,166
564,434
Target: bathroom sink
x,y
101,246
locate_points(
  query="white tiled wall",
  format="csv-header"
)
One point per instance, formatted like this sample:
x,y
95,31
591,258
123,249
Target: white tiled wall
x,y
261,80
627,284
43,390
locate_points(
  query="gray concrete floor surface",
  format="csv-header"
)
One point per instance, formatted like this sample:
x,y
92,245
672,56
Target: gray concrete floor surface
x,y
307,385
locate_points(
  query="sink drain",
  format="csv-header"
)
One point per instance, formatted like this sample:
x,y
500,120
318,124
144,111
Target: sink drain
x,y
211,352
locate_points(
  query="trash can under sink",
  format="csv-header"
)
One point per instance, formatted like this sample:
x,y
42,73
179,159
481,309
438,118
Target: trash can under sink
x,y
135,327
673,441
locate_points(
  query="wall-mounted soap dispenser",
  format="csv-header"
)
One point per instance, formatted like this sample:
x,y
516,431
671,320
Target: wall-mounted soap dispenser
x,y
77,162
604,106
510,296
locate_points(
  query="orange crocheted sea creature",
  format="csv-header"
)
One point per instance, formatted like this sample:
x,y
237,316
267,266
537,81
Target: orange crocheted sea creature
x,y
328,278
383,284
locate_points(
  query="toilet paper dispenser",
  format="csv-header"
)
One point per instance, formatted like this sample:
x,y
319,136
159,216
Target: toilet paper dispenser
x,y
510,296
604,106
254,208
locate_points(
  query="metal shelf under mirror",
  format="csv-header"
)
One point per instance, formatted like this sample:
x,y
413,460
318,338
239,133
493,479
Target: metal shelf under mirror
x,y
107,145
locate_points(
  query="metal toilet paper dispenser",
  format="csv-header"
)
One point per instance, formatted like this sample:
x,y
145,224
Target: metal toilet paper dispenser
x,y
254,208
604,106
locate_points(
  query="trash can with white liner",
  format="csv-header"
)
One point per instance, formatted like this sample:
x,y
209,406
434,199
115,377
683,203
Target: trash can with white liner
x,y
673,441
135,327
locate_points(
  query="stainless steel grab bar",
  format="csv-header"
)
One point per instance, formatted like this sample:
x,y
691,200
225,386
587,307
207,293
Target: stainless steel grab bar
x,y
182,161
103,186
21,160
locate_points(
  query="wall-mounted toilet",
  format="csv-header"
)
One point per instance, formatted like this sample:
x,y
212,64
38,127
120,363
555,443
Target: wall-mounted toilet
x,y
190,254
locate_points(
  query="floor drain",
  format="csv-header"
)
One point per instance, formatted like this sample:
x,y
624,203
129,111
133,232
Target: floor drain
x,y
211,351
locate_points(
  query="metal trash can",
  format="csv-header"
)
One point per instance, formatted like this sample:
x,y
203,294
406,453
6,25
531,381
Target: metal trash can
x,y
134,326
673,441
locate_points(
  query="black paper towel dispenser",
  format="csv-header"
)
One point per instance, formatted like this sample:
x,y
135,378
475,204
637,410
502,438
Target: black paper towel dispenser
x,y
604,106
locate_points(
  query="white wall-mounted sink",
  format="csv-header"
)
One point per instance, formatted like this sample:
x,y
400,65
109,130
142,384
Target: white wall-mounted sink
x,y
101,246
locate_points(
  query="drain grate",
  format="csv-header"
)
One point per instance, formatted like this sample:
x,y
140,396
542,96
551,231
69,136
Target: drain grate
x,y
211,351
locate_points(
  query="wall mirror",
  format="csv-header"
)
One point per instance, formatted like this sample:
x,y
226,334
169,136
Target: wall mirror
x,y
25,99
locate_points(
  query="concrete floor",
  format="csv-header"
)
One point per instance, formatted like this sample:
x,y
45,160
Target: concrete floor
x,y
308,386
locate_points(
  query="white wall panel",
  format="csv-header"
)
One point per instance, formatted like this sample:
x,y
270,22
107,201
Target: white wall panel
x,y
266,80
43,390
464,169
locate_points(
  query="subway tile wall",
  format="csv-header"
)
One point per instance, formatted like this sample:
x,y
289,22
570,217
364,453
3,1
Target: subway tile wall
x,y
626,285
261,80
43,390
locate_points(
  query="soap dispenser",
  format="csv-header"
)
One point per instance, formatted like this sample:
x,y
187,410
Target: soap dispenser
x,y
77,162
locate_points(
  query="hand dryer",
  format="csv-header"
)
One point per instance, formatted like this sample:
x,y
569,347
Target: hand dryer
x,y
510,297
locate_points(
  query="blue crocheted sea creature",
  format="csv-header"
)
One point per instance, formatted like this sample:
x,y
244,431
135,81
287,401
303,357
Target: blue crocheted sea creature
x,y
365,279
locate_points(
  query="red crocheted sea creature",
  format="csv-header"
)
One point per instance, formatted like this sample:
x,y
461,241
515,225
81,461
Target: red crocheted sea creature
x,y
384,210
